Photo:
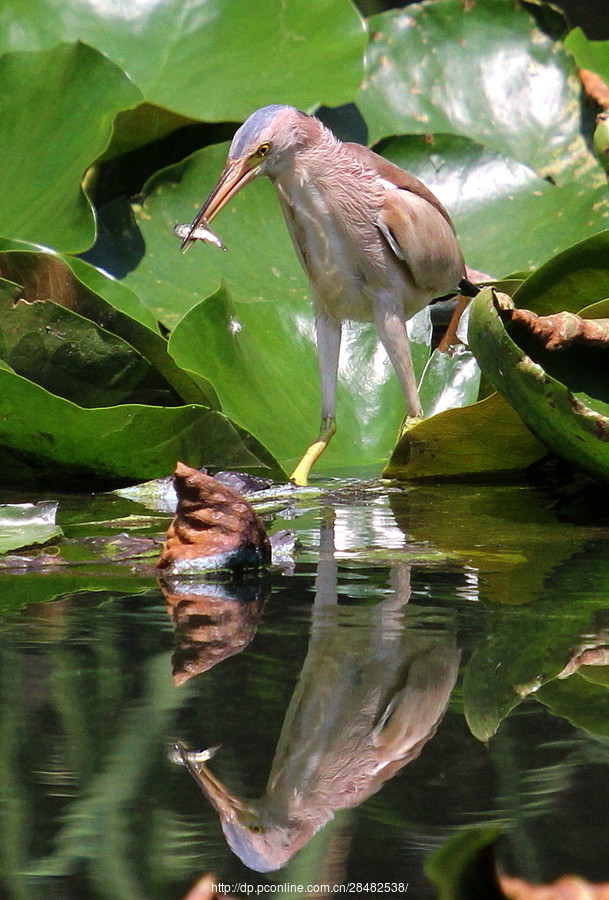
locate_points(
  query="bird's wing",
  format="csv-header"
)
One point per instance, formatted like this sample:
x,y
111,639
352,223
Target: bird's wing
x,y
413,714
416,226
422,239
395,176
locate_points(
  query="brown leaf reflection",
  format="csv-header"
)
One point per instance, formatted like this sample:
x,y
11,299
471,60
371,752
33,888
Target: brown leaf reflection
x,y
206,888
211,621
372,690
569,887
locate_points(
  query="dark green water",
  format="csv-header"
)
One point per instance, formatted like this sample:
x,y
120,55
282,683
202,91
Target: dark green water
x,y
400,685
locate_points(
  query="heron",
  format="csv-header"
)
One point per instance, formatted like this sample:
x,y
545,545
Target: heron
x,y
372,691
375,243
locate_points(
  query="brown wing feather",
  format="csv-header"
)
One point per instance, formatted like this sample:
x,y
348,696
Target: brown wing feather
x,y
390,172
424,241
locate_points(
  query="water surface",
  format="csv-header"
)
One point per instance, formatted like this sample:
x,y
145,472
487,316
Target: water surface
x,y
420,699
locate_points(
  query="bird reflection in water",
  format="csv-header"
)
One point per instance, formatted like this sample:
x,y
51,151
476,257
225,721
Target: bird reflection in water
x,y
372,691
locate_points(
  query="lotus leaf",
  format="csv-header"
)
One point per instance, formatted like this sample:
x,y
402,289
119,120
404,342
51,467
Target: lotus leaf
x,y
565,404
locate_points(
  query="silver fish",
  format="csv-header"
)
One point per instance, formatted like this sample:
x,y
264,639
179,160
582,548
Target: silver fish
x,y
200,233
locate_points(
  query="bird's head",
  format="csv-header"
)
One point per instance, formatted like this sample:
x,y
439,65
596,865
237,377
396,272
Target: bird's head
x,y
264,144
260,835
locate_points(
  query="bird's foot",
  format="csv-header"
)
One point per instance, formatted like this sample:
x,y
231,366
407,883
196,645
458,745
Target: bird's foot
x,y
409,422
300,475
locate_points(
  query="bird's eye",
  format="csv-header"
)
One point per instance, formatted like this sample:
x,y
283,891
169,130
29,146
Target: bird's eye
x,y
255,829
263,149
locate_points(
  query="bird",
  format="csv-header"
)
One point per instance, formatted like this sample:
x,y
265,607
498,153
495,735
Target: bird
x,y
375,243
372,691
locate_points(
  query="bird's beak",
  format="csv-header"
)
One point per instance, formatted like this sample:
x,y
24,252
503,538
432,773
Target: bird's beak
x,y
236,173
226,804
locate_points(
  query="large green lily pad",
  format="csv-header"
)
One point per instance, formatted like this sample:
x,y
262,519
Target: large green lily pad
x,y
567,410
210,59
71,356
573,279
483,70
87,337
46,438
57,108
479,439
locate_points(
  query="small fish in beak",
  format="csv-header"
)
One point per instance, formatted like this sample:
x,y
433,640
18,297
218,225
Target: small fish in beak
x,y
188,235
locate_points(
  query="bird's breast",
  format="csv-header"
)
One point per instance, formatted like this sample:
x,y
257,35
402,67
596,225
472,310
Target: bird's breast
x,y
338,248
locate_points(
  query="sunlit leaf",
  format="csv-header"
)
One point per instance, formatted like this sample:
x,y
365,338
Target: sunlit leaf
x,y
214,60
571,280
56,112
449,381
588,54
482,438
483,70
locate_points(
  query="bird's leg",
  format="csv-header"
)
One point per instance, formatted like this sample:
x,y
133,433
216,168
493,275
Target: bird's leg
x,y
328,332
450,338
391,326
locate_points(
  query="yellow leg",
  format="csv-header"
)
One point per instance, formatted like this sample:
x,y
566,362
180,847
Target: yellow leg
x,y
300,474
409,422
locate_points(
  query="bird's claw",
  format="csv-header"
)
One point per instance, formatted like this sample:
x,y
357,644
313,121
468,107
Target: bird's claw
x,y
409,422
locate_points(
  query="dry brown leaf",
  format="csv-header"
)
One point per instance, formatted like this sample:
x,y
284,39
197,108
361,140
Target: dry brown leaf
x,y
212,523
561,331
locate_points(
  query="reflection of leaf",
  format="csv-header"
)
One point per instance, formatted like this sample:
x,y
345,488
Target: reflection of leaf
x,y
56,112
24,524
441,67
455,868
485,437
25,588
214,60
505,668
509,535
580,701
570,415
